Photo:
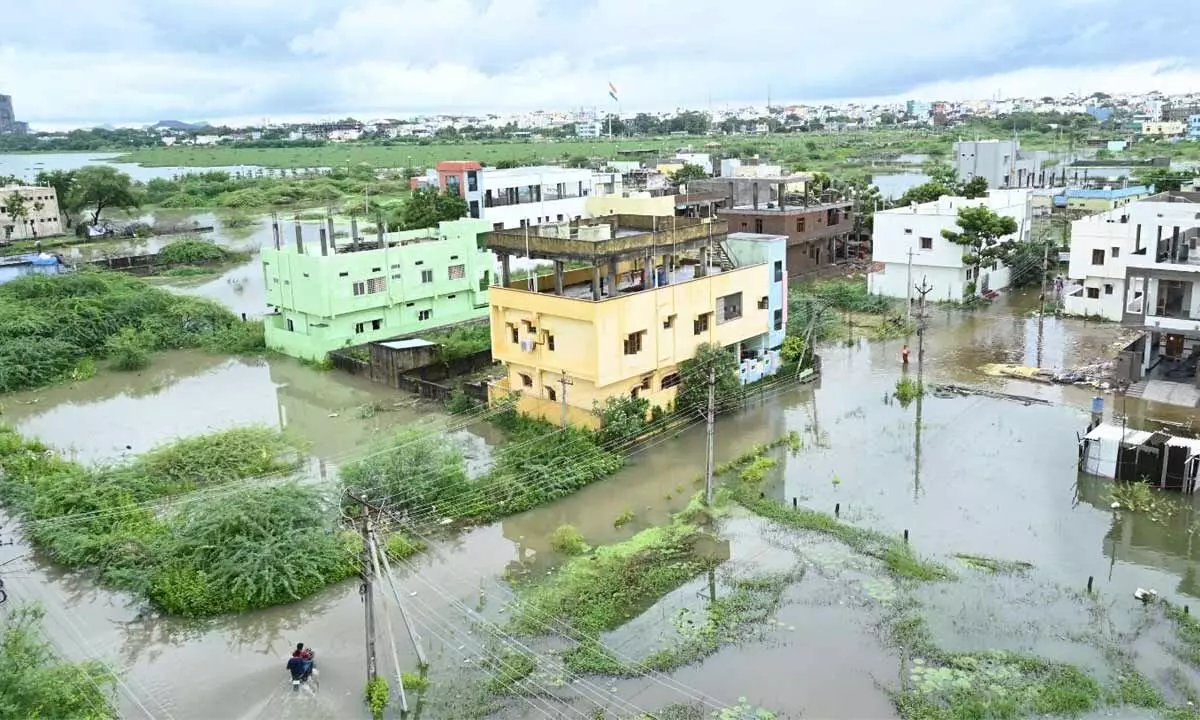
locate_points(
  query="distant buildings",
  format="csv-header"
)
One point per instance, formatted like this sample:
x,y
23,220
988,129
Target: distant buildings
x,y
1169,128
328,297
652,291
38,216
1000,162
589,129
908,242
1193,127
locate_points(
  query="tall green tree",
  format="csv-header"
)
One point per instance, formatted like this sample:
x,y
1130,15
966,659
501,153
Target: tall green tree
x,y
426,207
693,387
62,181
980,231
16,208
100,187
976,187
686,174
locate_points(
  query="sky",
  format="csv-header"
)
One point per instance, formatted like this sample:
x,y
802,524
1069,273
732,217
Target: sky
x,y
138,61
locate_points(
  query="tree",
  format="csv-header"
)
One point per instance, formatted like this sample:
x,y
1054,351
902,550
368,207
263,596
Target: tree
x,y
927,192
1164,179
976,187
686,174
15,206
982,229
62,181
99,187
693,387
940,172
426,207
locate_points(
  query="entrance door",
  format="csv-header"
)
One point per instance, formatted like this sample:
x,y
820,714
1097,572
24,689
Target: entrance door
x,y
1174,345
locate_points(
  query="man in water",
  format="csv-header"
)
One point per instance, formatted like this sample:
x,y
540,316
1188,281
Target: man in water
x,y
301,662
904,355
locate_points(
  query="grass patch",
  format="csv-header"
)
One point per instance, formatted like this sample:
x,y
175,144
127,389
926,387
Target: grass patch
x,y
627,515
902,562
507,669
402,546
415,682
1187,634
186,271
993,565
248,547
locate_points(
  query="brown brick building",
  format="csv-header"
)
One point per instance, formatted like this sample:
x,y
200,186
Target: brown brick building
x,y
817,234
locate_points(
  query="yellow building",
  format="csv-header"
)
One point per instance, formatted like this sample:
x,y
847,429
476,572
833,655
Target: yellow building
x,y
651,297
634,203
1164,129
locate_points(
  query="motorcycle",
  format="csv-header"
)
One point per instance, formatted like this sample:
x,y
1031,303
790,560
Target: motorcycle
x,y
303,673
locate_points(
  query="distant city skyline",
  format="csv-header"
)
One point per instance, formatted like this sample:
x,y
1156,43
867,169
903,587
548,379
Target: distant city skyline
x,y
133,62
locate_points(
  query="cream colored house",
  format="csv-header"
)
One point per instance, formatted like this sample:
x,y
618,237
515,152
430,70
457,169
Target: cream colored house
x,y
36,217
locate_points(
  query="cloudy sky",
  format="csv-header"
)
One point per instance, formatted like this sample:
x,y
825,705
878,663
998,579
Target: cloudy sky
x,y
138,61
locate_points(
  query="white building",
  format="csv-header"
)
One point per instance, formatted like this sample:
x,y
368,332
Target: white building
x,y
703,160
39,217
1105,247
1000,162
908,243
591,129
536,195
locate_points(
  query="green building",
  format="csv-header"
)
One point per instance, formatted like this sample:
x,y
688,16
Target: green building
x,y
325,298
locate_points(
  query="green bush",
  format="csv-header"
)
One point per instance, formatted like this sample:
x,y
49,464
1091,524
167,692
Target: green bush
x,y
128,350
568,540
377,696
793,350
50,323
192,251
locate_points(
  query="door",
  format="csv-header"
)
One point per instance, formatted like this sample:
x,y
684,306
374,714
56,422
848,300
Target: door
x,y
1174,345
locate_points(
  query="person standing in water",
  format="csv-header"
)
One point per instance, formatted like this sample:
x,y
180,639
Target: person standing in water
x,y
904,354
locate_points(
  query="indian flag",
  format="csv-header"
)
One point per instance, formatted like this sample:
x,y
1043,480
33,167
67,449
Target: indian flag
x,y
612,91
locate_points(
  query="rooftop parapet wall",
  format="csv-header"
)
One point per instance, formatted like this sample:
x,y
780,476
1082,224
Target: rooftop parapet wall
x,y
632,236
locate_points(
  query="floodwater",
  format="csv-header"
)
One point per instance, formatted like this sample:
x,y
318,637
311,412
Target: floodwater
x,y
969,474
28,165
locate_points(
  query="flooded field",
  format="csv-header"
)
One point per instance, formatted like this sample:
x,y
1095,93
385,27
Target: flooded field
x,y
970,475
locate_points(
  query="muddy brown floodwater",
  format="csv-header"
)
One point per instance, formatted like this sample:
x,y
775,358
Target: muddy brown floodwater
x,y
969,475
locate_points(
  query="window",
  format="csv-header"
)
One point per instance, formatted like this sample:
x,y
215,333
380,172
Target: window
x,y
1093,293
375,270
376,285
764,302
512,330
1108,288
926,243
1098,256
799,224
778,271
779,319
743,226
360,288
669,322
646,382
526,380
426,276
757,225
1115,252
908,231
343,274
549,342
472,181
633,343
419,262
670,381
553,396
360,327
700,324
457,272
424,314
291,325
729,307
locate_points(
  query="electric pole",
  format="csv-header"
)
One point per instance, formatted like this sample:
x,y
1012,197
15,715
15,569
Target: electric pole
x,y
1042,311
710,418
564,381
367,589
923,289
909,284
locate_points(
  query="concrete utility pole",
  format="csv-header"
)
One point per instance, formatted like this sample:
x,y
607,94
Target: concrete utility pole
x,y
368,590
564,381
909,284
1042,311
376,553
710,419
923,289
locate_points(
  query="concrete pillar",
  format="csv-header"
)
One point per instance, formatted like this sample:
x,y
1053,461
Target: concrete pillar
x,y
651,280
505,271
379,230
324,242
596,281
754,194
329,224
353,232
299,238
558,277
612,278
276,235
782,194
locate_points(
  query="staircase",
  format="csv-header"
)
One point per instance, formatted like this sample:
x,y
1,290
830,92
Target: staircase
x,y
1137,389
721,257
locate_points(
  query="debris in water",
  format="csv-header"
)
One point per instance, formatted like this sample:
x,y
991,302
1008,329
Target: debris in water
x,y
1146,596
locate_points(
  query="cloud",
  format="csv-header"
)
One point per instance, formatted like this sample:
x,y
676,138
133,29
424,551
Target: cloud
x,y
128,61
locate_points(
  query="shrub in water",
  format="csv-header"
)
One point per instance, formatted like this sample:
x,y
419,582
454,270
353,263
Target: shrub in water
x,y
568,541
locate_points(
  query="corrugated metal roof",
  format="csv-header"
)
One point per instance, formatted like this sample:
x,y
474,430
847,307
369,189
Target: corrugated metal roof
x,y
1111,194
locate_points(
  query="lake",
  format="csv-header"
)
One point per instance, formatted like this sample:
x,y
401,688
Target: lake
x,y
28,165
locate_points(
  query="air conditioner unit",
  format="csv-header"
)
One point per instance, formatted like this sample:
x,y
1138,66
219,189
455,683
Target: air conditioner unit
x,y
527,346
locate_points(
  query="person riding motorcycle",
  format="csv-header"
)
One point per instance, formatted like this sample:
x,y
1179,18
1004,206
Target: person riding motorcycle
x,y
300,664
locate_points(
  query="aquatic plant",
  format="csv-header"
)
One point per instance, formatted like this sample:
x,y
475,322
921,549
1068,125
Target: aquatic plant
x,y
401,546
568,540
377,696
50,323
1140,497
993,565
128,349
907,390
507,667
415,682
35,682
627,515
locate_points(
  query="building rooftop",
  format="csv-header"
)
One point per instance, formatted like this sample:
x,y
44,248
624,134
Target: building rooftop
x,y
533,170
790,208
605,238
1108,193
756,237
